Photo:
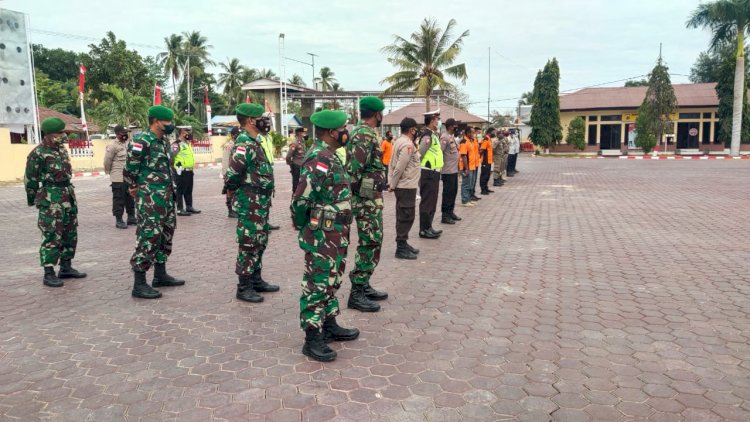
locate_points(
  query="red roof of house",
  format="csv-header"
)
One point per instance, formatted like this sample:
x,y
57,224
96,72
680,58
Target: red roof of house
x,y
688,95
72,123
417,110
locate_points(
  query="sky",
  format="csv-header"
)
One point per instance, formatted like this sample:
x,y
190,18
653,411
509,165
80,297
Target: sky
x,y
595,41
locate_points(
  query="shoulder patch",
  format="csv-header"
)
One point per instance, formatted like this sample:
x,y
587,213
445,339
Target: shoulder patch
x,y
240,151
137,147
321,167
175,147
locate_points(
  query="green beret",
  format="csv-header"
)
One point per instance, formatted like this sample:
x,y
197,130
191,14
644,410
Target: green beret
x,y
371,103
249,110
329,119
52,125
160,113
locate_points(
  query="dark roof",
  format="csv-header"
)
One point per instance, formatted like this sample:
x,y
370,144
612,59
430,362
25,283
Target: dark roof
x,y
688,95
417,110
72,123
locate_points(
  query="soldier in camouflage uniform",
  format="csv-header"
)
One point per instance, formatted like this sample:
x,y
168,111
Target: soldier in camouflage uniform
x,y
48,187
500,148
148,174
321,211
365,167
249,182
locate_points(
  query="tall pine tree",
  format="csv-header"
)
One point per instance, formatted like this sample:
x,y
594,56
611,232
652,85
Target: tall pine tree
x,y
546,129
654,114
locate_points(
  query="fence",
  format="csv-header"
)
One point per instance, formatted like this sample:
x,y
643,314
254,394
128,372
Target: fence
x,y
80,148
202,146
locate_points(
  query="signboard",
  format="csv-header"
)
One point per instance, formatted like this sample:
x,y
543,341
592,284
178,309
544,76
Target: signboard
x,y
16,94
693,132
629,117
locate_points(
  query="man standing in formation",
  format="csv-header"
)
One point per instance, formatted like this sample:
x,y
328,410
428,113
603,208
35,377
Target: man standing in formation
x,y
367,176
227,152
429,180
449,173
475,133
387,147
184,162
249,182
500,151
321,211
114,163
467,165
513,150
148,174
48,187
404,179
296,155
486,156
266,142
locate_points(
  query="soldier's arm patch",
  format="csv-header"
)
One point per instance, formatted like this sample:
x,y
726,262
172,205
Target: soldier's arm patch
x,y
321,167
136,147
240,151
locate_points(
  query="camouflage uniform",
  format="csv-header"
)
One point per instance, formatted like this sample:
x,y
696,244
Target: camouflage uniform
x,y
500,157
47,182
365,160
250,176
323,185
149,168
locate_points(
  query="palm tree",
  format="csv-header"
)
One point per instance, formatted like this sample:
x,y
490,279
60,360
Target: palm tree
x,y
170,59
121,107
526,98
425,60
195,56
266,74
249,74
297,80
231,78
729,20
336,87
326,78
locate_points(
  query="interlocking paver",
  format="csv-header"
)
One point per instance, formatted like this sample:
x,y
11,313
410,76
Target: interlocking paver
x,y
581,290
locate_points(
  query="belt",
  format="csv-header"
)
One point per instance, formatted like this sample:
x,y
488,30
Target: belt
x,y
426,168
377,186
57,184
256,189
339,218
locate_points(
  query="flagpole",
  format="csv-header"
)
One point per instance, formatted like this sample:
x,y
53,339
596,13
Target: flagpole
x,y
82,78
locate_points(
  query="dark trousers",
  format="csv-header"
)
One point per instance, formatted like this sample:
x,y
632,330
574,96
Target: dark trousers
x,y
294,169
485,177
121,200
429,184
386,174
512,158
185,189
450,190
474,182
406,201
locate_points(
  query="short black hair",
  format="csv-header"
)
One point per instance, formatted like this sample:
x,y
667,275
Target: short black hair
x,y
388,132
366,114
242,120
428,118
298,130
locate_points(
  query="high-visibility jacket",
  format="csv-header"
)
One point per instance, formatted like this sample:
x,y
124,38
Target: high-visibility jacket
x,y
183,155
433,158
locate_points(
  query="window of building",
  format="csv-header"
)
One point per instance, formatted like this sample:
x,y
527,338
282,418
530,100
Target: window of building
x,y
686,116
593,118
707,115
592,134
706,137
611,118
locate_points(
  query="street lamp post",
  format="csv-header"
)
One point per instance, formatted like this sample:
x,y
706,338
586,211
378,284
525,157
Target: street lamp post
x,y
313,56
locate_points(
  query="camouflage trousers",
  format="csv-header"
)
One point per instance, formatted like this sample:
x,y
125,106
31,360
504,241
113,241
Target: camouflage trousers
x,y
498,169
252,231
369,216
59,234
156,225
325,262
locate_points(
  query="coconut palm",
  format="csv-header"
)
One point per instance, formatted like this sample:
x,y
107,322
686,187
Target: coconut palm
x,y
326,79
121,107
266,74
297,80
729,20
336,87
231,78
170,60
425,60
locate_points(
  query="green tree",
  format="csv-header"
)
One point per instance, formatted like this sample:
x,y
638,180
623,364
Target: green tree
x,y
59,96
576,133
546,129
653,115
171,60
58,64
706,66
195,58
183,119
231,79
120,106
729,20
297,80
725,91
266,74
636,82
526,99
110,62
426,60
499,119
326,79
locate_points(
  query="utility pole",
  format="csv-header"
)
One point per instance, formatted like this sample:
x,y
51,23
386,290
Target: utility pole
x,y
313,56
489,82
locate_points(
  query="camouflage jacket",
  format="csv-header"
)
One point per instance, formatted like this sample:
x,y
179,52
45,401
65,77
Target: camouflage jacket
x,y
48,171
149,163
248,165
323,184
364,156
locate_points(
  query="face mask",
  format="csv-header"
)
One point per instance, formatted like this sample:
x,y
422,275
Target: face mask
x,y
493,136
306,137
389,137
263,125
124,137
62,139
189,137
168,129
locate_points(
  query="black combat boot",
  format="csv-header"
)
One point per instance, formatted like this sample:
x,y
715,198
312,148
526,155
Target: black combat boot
x,y
260,285
455,217
141,289
411,248
132,220
232,214
497,182
273,227
192,210
183,213
162,279
333,332
120,224
360,302
403,252
447,220
437,232
373,294
67,271
245,290
50,279
316,348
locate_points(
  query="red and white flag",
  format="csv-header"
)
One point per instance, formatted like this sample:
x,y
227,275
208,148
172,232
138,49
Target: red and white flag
x,y
157,94
321,167
81,77
247,98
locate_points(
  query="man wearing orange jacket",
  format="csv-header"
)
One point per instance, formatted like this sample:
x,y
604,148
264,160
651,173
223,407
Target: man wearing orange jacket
x,y
485,152
387,147
466,166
